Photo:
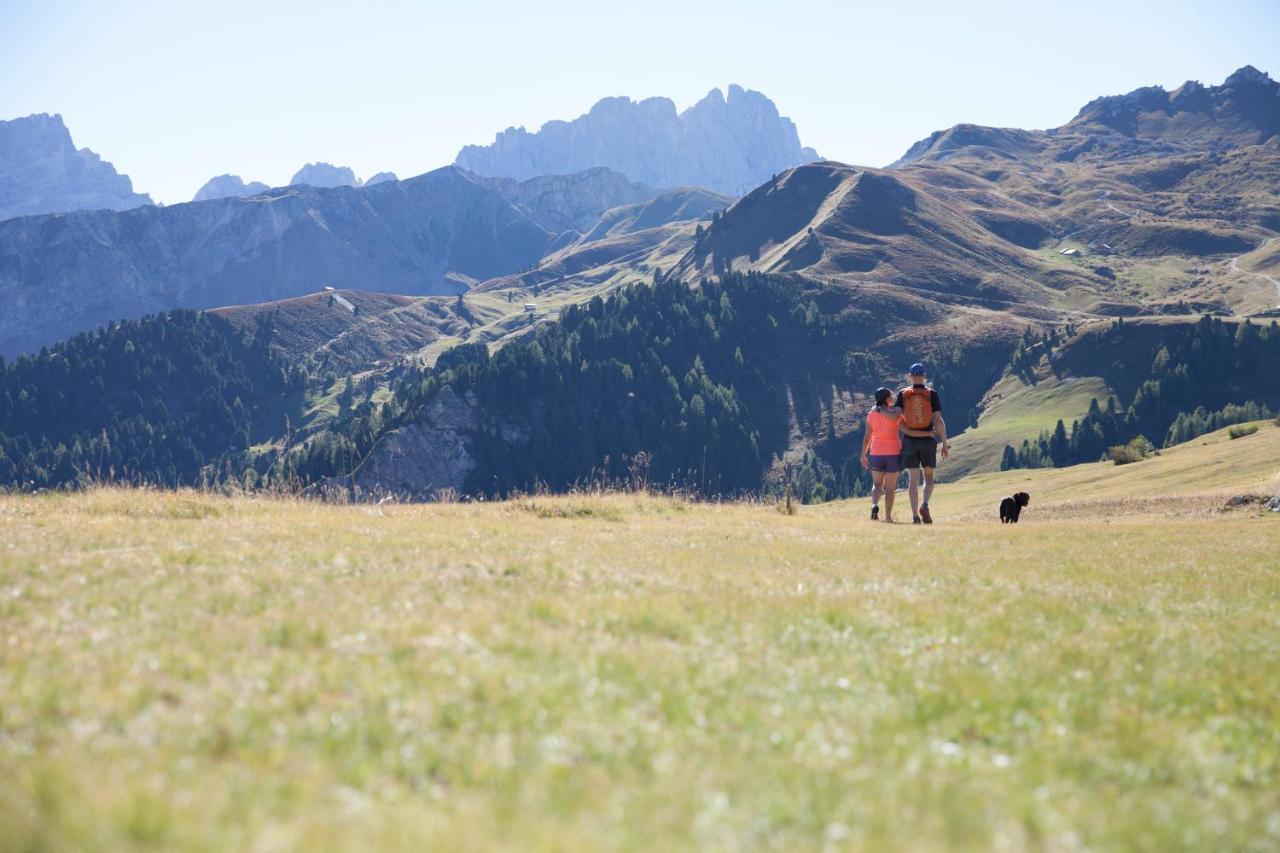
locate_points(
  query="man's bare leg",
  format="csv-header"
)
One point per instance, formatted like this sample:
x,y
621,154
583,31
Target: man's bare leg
x,y
925,515
913,491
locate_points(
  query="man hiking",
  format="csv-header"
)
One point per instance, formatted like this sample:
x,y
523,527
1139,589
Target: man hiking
x,y
922,429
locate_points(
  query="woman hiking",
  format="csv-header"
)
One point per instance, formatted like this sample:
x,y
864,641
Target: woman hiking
x,y
881,451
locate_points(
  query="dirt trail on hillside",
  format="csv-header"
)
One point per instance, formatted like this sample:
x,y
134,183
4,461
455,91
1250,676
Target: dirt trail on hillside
x,y
1275,282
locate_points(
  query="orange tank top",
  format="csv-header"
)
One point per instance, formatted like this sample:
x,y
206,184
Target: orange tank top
x,y
885,440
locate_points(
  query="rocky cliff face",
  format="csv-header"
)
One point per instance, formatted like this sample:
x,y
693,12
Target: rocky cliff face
x,y
325,175
381,178
729,145
41,171
229,186
426,458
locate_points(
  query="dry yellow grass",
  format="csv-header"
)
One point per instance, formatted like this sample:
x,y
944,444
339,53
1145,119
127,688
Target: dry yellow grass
x,y
1203,472
195,672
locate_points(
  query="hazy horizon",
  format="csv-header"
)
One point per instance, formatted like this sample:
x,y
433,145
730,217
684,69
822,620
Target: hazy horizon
x,y
259,90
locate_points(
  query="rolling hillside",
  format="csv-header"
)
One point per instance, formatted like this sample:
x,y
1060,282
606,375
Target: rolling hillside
x,y
1196,478
1014,410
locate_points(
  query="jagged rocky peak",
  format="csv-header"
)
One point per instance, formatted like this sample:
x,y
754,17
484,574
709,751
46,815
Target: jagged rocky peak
x,y
1244,110
1246,104
41,171
726,143
325,175
229,186
381,178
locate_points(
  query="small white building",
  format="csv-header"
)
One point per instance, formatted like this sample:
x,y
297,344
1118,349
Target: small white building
x,y
1070,253
530,307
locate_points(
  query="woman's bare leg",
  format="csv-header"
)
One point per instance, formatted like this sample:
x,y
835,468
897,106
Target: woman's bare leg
x,y
890,488
877,487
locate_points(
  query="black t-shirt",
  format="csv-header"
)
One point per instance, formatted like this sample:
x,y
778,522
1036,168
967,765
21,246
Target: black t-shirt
x,y
935,402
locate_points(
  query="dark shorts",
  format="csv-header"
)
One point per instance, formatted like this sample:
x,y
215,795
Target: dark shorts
x,y
887,463
919,452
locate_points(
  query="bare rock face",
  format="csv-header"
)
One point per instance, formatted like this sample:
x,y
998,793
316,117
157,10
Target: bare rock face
x,y
325,175
381,178
427,458
229,186
729,145
41,171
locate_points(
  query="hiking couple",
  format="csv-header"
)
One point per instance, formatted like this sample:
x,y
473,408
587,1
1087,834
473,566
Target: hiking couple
x,y
904,433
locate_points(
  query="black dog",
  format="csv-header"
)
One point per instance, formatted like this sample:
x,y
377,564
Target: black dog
x,y
1011,507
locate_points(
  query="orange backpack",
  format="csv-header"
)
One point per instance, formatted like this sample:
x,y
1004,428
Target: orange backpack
x,y
917,408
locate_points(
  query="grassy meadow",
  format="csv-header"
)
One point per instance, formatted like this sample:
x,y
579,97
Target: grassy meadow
x,y
195,672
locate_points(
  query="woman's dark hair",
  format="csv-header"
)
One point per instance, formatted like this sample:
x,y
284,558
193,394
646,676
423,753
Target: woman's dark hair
x,y
883,396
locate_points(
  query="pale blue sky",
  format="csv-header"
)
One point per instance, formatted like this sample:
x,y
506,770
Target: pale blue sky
x,y
174,93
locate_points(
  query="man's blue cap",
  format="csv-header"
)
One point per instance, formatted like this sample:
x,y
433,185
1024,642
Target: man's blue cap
x,y
917,369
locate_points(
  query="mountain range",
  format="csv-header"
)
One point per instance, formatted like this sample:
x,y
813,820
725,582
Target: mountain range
x,y
312,174
442,232
998,255
726,144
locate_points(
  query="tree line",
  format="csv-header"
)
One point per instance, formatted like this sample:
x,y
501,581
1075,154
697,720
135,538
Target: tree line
x,y
1200,377
157,400
673,376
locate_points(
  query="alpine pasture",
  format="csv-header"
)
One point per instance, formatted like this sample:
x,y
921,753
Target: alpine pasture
x,y
200,672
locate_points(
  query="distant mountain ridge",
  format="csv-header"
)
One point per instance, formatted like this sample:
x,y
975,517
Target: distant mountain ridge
x,y
229,186
438,233
1244,110
312,174
325,175
41,171
561,203
726,144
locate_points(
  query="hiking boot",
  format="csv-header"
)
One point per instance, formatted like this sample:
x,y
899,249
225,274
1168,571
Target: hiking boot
x,y
875,513
915,519
924,515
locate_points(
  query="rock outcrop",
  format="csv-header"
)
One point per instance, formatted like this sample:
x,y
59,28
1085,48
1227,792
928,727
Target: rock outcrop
x,y
41,171
1244,110
229,186
729,145
324,175
426,458
381,178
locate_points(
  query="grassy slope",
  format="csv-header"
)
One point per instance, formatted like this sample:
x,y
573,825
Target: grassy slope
x,y
1213,465
1019,411
197,672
